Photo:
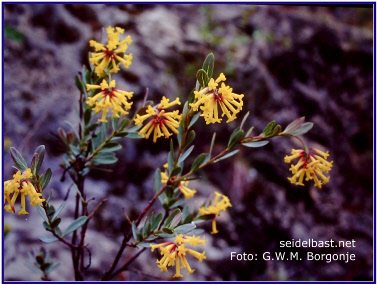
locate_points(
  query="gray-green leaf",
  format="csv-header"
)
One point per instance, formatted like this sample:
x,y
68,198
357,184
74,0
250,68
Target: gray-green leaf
x,y
76,224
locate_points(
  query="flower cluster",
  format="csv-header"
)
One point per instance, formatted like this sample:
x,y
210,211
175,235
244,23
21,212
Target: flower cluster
x,y
20,184
174,253
310,165
160,120
112,54
220,203
109,97
187,192
211,95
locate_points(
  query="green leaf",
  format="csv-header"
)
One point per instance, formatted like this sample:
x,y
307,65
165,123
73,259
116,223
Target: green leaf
x,y
157,180
48,239
170,161
42,213
275,131
198,162
157,222
190,138
104,158
175,171
90,128
123,124
249,132
34,162
180,133
191,97
212,143
269,128
183,229
292,127
32,268
255,144
87,116
194,118
18,159
176,220
134,136
167,230
78,83
144,244
41,150
202,77
244,119
171,217
76,224
227,155
236,136
189,218
184,113
55,223
165,235
114,123
46,179
52,268
208,64
134,232
61,207
111,147
305,127
86,74
185,154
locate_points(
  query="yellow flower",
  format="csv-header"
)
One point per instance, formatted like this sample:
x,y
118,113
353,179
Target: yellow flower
x,y
216,208
109,97
174,253
112,54
160,120
310,166
210,96
20,184
187,192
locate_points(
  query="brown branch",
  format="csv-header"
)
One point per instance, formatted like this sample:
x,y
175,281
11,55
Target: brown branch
x,y
127,263
127,237
94,211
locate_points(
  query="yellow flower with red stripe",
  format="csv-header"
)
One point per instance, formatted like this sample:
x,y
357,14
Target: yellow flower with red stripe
x,y
20,184
109,97
220,203
211,96
109,57
310,166
174,253
161,121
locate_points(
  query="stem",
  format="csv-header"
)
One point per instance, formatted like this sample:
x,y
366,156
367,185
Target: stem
x,y
127,237
125,265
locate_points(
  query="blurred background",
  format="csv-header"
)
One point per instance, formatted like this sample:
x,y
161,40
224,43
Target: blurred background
x,y
289,61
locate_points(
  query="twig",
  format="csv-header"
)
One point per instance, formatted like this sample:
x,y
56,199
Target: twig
x,y
94,211
127,263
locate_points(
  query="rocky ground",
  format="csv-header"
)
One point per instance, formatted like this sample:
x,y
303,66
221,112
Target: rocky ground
x,y
289,61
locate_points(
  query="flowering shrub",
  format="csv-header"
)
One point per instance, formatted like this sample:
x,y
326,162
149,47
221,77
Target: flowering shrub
x,y
94,143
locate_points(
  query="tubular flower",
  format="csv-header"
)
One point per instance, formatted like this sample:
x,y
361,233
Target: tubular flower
x,y
20,184
310,166
174,253
161,120
187,192
112,54
211,95
109,97
215,209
